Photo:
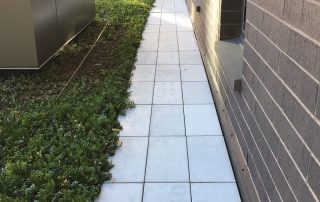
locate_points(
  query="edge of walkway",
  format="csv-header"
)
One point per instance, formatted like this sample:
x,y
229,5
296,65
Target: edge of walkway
x,y
246,187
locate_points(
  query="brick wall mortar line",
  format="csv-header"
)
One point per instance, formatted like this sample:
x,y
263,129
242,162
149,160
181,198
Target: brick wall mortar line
x,y
311,114
317,103
246,144
287,118
286,149
273,155
287,24
284,53
250,129
254,138
246,141
272,152
314,2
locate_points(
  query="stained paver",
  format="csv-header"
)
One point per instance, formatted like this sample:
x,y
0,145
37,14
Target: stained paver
x,y
172,143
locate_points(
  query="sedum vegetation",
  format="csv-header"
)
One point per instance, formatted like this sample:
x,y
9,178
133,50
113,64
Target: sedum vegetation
x,y
56,148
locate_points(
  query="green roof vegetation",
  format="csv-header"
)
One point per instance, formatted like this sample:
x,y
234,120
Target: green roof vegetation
x,y
56,148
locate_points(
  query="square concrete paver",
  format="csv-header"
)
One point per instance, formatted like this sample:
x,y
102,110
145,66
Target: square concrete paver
x,y
168,73
148,45
166,192
123,192
144,74
215,192
168,18
168,58
183,21
167,93
131,154
136,121
190,58
193,73
168,36
209,160
184,27
154,19
180,7
167,120
168,8
150,36
167,160
168,28
187,41
152,28
146,58
141,92
196,92
168,46
201,120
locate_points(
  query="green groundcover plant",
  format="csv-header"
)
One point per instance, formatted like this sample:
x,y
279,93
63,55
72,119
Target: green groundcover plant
x,y
56,147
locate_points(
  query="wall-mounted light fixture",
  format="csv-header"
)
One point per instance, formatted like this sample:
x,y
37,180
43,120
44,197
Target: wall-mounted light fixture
x,y
237,85
198,9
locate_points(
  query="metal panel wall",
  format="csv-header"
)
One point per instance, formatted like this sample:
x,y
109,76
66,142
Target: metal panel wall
x,y
32,31
73,15
17,43
45,28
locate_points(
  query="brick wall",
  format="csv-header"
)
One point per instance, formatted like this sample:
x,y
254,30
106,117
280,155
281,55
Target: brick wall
x,y
281,76
276,116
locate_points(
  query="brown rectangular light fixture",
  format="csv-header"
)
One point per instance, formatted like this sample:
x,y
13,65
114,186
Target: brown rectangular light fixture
x,y
198,9
237,86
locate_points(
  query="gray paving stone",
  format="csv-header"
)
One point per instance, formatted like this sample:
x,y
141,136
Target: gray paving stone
x,y
168,28
187,41
201,120
115,192
132,153
136,121
167,160
151,28
190,58
196,93
167,192
209,160
168,58
167,93
193,73
141,92
146,58
167,120
154,19
144,74
215,192
169,45
168,73
168,18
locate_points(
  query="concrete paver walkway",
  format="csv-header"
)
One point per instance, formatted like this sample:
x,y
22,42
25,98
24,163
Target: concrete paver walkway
x,y
173,148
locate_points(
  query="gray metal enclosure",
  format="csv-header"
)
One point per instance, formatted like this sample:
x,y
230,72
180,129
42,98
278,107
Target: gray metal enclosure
x,y
32,31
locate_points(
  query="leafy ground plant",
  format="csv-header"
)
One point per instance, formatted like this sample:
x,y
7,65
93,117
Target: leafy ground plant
x,y
55,147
